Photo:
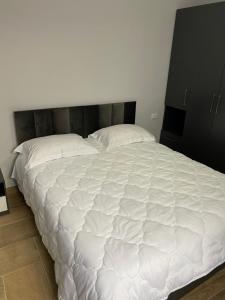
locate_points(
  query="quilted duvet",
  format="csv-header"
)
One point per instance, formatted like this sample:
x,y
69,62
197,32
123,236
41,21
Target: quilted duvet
x,y
137,222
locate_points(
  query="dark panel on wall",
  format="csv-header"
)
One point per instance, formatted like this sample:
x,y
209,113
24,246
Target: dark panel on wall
x,y
61,118
77,120
43,120
129,112
25,127
117,113
105,115
82,120
91,119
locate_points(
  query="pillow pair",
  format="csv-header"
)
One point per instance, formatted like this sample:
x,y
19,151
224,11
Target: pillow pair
x,y
41,150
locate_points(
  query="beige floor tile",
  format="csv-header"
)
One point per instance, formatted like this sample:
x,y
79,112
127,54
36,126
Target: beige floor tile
x,y
220,296
28,283
17,255
15,215
2,290
17,231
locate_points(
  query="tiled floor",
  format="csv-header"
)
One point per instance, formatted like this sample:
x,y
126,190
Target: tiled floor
x,y
26,269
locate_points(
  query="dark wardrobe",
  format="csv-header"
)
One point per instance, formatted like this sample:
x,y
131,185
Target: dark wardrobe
x,y
194,119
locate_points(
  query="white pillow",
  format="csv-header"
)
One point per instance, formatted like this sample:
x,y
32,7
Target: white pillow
x,y
44,149
124,134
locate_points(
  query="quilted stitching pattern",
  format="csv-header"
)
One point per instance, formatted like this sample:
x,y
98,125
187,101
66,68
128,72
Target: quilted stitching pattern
x,y
134,223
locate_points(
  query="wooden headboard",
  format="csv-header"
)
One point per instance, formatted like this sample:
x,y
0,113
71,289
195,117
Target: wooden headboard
x,y
82,120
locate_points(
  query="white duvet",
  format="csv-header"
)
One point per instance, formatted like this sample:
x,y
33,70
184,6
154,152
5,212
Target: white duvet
x,y
137,222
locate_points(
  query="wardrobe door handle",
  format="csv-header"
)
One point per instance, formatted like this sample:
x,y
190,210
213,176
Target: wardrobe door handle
x,y
185,96
218,103
212,103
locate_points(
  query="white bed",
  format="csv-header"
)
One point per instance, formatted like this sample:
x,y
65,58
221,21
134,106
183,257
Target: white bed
x,y
136,222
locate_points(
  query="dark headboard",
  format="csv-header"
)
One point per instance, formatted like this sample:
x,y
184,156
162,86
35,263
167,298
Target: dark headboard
x,y
82,120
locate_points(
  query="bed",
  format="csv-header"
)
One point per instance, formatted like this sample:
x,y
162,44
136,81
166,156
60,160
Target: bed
x,y
136,222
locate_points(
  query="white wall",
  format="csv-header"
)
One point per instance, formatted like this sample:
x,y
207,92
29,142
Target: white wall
x,y
59,53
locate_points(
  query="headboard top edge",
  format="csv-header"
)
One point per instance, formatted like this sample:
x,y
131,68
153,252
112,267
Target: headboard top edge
x,y
82,120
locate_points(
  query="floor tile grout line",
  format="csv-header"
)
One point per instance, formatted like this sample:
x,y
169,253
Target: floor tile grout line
x,y
19,240
42,263
20,268
4,289
39,253
30,217
46,274
213,296
14,222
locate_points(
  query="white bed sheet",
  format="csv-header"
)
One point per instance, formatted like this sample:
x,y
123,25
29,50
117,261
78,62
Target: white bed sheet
x,y
137,222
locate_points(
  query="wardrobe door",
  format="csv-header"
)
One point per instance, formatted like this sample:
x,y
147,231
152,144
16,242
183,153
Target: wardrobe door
x,y
218,133
198,126
183,59
208,73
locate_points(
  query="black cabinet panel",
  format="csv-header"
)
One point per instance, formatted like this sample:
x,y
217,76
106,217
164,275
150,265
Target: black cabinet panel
x,y
174,120
197,130
197,54
182,64
172,141
196,82
199,133
218,133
